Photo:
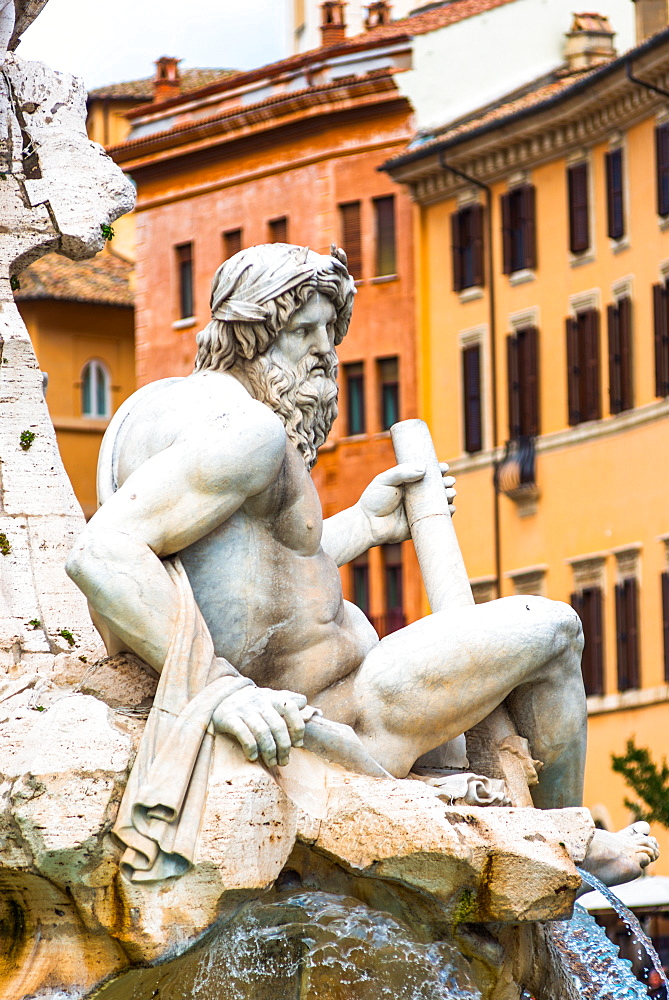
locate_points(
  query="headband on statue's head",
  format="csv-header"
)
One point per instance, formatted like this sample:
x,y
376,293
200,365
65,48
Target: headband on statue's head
x,y
242,288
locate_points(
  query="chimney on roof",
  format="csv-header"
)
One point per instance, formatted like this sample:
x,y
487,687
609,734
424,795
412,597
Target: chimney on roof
x,y
333,26
167,81
589,43
651,16
378,13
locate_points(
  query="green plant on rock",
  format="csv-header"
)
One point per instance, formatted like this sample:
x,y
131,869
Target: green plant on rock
x,y
26,439
14,283
35,622
67,635
107,231
5,544
648,780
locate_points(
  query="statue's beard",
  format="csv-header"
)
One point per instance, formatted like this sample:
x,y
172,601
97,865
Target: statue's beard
x,y
303,395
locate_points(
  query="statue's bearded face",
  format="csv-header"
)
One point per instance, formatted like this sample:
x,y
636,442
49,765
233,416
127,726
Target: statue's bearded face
x,y
297,376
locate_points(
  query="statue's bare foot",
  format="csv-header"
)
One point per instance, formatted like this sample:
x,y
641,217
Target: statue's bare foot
x,y
620,857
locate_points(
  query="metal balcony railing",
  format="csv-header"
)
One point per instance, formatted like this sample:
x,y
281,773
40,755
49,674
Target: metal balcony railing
x,y
516,473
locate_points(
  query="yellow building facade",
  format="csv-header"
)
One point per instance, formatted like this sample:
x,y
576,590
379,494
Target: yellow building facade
x,y
542,236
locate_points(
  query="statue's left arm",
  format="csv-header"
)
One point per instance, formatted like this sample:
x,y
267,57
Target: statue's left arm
x,y
378,518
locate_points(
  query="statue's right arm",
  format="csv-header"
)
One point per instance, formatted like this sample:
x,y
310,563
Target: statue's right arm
x,y
173,499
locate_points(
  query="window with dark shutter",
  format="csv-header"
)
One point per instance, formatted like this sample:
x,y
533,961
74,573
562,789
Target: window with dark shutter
x,y
661,329
583,367
384,218
389,391
232,243
354,382
579,224
471,392
627,634
615,208
184,255
278,230
620,355
467,247
519,229
588,606
523,382
662,167
351,236
360,582
665,623
392,571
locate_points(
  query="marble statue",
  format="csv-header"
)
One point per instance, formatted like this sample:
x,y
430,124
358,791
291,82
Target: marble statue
x,y
209,558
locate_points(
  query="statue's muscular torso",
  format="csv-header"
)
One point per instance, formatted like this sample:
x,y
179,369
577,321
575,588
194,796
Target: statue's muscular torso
x,y
270,595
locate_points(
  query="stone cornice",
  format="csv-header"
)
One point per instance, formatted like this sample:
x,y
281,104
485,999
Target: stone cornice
x,y
533,136
350,95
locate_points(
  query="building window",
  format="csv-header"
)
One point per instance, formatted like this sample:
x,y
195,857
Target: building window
x,y
627,633
384,229
472,397
665,623
662,165
584,397
184,254
522,352
615,207
620,355
351,237
392,573
587,604
360,581
354,381
278,230
95,390
577,192
389,390
232,243
518,229
467,247
661,329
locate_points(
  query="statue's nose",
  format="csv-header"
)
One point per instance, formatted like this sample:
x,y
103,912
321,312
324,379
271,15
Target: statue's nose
x,y
321,341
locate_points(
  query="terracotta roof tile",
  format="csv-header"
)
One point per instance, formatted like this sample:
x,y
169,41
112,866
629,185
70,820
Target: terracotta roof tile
x,y
142,90
437,16
104,280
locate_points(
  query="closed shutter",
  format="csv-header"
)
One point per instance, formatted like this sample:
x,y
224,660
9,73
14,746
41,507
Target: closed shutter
x,y
614,194
528,224
615,375
593,658
665,623
507,236
513,378
626,353
627,634
662,164
384,210
660,319
351,237
579,228
232,243
456,250
278,230
471,381
477,244
589,325
573,373
528,371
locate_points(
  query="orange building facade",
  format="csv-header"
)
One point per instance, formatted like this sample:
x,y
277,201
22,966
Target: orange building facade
x,y
220,170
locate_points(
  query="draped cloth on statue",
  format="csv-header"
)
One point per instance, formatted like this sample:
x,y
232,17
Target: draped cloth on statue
x,y
159,819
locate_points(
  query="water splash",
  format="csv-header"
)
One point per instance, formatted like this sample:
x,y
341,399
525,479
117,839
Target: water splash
x,y
630,921
327,946
593,960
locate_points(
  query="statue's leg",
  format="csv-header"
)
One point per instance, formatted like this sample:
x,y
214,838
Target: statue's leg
x,y
438,677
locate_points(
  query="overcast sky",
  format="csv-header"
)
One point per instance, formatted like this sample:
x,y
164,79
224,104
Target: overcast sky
x,y
105,41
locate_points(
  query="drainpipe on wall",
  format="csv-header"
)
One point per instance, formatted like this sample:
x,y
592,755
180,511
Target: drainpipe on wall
x,y
493,358
643,83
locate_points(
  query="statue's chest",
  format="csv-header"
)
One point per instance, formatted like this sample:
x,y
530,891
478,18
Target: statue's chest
x,y
291,509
